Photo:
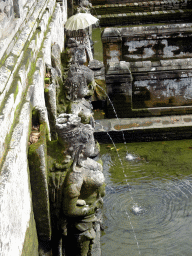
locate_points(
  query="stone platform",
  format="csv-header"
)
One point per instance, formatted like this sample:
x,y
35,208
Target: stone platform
x,y
144,129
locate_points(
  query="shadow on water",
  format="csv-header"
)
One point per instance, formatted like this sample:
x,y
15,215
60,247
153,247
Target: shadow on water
x,y
158,175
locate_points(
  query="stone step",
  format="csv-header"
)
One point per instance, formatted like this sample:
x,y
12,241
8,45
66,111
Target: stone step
x,y
123,2
154,17
140,7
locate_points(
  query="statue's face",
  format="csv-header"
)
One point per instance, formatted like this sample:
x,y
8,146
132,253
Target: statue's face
x,y
89,148
72,131
83,88
76,87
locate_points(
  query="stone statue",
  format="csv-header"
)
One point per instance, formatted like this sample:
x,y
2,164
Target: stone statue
x,y
83,187
79,48
78,86
85,3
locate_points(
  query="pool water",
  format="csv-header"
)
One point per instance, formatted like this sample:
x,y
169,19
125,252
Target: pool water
x,y
148,202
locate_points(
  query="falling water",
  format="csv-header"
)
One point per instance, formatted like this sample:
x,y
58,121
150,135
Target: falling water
x,y
134,207
124,141
134,204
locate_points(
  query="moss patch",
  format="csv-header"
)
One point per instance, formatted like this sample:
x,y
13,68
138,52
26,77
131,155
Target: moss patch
x,y
30,247
98,47
164,159
100,91
39,183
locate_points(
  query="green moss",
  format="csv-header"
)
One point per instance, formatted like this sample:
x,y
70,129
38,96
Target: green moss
x,y
98,47
56,154
35,117
42,139
100,92
31,72
84,119
155,160
37,159
47,80
30,247
62,102
16,91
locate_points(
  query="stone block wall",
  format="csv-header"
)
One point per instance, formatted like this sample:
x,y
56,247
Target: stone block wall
x,y
156,42
159,60
27,33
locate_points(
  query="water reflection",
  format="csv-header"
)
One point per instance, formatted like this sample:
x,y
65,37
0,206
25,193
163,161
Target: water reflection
x,y
161,209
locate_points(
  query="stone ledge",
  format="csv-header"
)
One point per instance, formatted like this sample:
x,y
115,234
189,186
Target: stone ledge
x,y
169,64
145,123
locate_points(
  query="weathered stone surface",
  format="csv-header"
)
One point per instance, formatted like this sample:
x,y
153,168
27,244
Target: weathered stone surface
x,y
56,58
6,18
17,226
50,99
144,42
121,67
39,186
15,195
87,72
95,65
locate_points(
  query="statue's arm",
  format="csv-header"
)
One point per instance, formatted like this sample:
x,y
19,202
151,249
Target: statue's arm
x,y
71,209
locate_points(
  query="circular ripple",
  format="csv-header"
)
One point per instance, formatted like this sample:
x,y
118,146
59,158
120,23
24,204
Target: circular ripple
x,y
160,228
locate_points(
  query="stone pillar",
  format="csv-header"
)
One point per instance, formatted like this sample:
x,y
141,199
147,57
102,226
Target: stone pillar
x,y
112,44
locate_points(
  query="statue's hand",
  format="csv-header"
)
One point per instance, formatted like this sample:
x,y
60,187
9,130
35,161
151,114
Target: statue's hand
x,y
86,210
98,203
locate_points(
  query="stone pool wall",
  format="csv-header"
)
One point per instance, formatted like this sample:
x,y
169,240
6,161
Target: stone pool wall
x,y
159,61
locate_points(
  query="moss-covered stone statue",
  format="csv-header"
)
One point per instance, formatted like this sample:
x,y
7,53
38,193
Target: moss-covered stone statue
x,y
78,88
83,186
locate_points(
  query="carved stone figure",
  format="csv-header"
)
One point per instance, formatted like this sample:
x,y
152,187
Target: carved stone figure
x,y
83,186
76,87
80,84
72,133
85,3
88,73
79,47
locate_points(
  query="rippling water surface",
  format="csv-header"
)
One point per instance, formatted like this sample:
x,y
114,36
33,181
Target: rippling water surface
x,y
148,202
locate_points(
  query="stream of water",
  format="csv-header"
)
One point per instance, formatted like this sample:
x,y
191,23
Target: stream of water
x,y
158,176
